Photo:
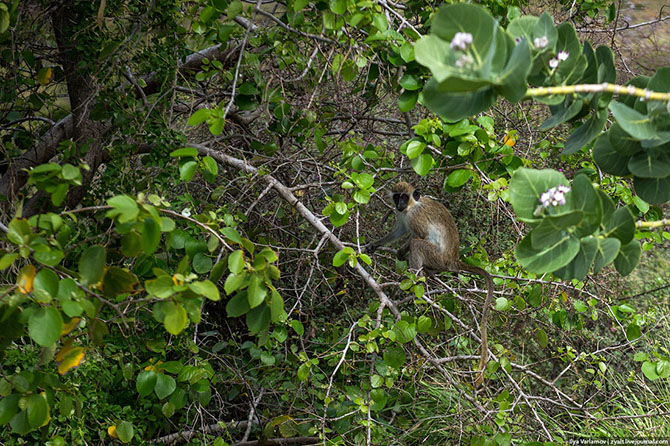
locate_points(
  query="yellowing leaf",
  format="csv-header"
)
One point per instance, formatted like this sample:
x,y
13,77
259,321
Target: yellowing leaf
x,y
69,326
44,75
26,278
153,367
510,138
111,431
71,359
178,279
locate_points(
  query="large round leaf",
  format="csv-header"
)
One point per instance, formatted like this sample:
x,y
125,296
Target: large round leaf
x,y
45,325
527,185
549,258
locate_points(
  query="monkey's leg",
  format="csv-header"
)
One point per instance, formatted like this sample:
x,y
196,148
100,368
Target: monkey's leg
x,y
423,253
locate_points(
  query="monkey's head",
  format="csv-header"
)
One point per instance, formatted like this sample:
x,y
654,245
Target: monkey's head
x,y
404,196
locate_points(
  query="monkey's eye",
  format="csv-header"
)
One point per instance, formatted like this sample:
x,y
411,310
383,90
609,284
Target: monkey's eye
x,y
396,198
416,195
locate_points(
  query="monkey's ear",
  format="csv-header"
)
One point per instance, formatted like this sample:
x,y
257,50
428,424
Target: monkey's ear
x,y
416,195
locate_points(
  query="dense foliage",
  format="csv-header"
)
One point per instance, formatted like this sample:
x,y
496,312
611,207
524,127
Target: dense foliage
x,y
187,187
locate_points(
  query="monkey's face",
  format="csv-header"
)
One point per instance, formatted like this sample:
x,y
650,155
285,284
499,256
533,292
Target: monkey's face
x,y
405,197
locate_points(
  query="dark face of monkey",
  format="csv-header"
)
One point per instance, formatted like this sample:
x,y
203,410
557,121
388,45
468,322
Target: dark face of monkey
x,y
402,200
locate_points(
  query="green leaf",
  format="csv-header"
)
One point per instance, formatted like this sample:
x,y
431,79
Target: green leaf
x,y
608,158
453,107
338,6
394,356
621,225
415,148
608,248
639,126
234,9
206,288
9,406
422,164
131,244
512,82
238,305
578,268
526,186
45,325
563,113
37,410
236,262
650,163
234,282
276,307
649,370
553,228
125,431
187,170
151,235
410,82
186,151
628,258
175,317
586,133
257,291
341,257
161,286
258,319
298,327
197,118
92,265
124,207
633,332
19,231
623,143
45,285
6,261
210,165
165,385
459,177
653,190
231,234
542,338
424,324
548,258
586,199
407,100
202,264
146,381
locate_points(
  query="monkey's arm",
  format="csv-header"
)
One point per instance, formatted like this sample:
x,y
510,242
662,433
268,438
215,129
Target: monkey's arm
x,y
391,237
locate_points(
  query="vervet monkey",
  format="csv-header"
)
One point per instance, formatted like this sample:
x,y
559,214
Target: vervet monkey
x,y
433,244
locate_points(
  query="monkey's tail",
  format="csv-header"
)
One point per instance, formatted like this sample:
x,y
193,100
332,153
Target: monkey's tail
x,y
485,314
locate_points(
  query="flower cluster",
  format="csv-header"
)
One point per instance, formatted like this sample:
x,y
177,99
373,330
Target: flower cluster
x,y
461,41
560,57
554,196
464,61
540,42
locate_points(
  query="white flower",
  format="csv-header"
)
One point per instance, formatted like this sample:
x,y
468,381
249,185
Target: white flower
x,y
461,41
553,63
563,55
186,212
540,42
554,196
464,61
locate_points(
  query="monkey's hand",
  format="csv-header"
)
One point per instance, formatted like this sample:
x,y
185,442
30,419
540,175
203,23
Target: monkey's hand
x,y
370,248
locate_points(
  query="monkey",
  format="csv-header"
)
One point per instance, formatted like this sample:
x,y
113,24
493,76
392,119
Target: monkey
x,y
433,245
